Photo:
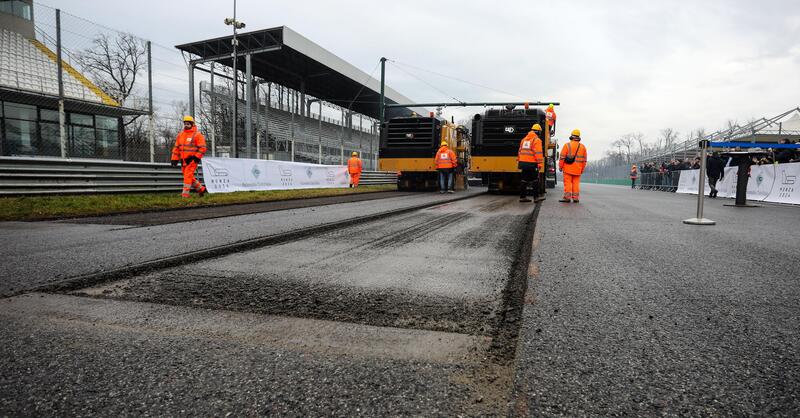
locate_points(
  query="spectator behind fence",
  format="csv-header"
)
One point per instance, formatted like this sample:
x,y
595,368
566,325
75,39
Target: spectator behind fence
x,y
715,170
785,155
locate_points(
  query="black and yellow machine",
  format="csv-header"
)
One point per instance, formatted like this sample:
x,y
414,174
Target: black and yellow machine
x,y
491,151
408,147
496,135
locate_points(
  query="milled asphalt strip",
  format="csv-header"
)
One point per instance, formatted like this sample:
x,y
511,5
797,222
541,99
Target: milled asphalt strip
x,y
78,282
504,342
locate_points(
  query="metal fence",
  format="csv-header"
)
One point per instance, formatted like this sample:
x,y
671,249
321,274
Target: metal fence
x,y
44,176
666,181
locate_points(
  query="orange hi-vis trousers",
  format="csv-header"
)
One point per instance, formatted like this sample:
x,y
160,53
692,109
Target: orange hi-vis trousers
x,y
572,186
354,178
189,181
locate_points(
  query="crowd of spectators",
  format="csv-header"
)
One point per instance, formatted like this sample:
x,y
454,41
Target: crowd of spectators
x,y
776,155
659,175
675,164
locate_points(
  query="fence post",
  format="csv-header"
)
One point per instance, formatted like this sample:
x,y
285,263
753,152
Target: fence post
x,y
150,135
213,129
62,130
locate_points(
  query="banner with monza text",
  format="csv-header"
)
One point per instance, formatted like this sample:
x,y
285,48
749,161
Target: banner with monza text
x,y
768,183
224,175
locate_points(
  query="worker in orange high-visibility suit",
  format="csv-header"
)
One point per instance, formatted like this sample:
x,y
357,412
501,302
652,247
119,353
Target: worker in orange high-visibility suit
x,y
634,176
446,163
529,157
572,163
550,114
189,149
354,167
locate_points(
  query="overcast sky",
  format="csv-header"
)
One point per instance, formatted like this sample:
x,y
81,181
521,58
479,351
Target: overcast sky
x,y
615,66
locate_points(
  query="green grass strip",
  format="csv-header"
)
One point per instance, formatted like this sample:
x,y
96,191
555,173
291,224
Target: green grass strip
x,y
29,208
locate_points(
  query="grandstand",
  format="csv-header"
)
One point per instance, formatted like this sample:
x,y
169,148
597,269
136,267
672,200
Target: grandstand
x,y
337,140
304,73
320,109
29,97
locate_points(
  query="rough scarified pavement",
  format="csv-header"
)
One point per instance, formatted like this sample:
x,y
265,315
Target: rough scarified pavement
x,y
396,316
630,312
442,268
43,252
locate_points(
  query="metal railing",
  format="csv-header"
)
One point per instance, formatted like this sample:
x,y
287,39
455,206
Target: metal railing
x,y
665,182
53,176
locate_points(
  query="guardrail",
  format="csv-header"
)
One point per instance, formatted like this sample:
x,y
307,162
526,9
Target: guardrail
x,y
378,177
53,176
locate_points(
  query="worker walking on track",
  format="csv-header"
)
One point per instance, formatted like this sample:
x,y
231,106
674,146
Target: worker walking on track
x,y
634,176
550,114
446,163
189,149
572,163
354,167
529,157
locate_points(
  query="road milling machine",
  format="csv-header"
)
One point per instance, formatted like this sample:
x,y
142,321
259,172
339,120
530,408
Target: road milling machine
x,y
408,147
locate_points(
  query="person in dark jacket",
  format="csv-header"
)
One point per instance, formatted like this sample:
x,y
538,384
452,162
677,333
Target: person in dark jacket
x,y
784,155
715,170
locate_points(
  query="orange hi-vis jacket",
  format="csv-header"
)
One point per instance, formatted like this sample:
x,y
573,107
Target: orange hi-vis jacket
x,y
579,151
445,158
551,116
189,143
354,165
530,149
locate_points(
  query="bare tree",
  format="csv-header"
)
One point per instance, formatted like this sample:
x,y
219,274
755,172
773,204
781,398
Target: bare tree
x,y
700,133
668,137
625,141
114,64
639,139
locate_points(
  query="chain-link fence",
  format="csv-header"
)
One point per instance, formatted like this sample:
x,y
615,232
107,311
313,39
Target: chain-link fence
x,y
74,88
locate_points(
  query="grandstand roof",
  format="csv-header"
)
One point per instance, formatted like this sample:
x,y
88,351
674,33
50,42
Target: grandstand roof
x,y
283,56
29,73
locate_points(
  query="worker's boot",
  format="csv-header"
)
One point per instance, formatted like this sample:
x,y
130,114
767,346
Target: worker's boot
x,y
524,199
575,200
538,199
564,200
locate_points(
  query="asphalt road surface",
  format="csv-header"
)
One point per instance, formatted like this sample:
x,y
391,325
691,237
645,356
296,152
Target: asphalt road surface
x,y
405,315
37,253
631,312
609,307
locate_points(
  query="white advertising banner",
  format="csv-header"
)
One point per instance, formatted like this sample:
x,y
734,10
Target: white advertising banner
x,y
224,175
726,187
769,183
760,182
689,180
786,188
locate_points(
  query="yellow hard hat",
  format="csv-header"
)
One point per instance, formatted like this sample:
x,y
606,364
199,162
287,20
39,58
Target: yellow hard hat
x,y
536,127
355,154
443,144
188,119
550,106
576,133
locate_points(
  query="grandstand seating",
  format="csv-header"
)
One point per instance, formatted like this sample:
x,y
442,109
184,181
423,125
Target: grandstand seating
x,y
25,64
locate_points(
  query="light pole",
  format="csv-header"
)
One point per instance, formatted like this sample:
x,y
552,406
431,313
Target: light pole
x,y
236,25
